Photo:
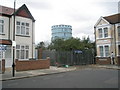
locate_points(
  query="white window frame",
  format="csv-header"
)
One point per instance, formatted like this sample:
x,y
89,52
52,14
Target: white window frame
x,y
118,29
22,50
107,52
103,32
24,28
100,33
2,25
1,55
104,52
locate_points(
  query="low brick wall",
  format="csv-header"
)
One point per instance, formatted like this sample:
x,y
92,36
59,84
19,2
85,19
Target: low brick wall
x,y
106,60
32,64
2,66
118,58
103,60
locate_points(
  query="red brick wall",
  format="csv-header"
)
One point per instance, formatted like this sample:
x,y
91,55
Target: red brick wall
x,y
106,60
32,64
103,60
3,65
118,60
40,53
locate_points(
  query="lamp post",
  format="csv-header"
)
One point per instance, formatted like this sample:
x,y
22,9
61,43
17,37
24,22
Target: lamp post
x,y
13,43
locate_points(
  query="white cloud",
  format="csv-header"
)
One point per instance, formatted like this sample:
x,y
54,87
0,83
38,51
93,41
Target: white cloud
x,y
81,14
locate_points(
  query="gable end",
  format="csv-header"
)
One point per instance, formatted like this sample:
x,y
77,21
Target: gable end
x,y
23,11
101,21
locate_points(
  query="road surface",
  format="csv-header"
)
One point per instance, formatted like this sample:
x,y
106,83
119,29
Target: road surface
x,y
85,78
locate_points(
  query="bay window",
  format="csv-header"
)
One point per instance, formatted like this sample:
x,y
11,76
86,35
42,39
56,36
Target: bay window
x,y
22,52
22,28
103,32
104,51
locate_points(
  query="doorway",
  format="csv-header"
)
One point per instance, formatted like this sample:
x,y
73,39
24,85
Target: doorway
x,y
119,50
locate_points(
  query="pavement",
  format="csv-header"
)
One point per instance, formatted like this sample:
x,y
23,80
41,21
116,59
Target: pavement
x,y
52,70
31,73
116,67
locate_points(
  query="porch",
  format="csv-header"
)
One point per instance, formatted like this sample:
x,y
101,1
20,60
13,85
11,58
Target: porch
x,y
5,53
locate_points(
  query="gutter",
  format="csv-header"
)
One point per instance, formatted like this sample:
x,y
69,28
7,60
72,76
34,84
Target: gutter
x,y
9,30
32,37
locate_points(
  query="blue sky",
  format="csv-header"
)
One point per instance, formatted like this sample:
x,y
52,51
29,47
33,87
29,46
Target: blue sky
x,y
80,14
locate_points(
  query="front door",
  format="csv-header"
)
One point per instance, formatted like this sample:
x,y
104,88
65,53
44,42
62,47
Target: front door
x,y
119,50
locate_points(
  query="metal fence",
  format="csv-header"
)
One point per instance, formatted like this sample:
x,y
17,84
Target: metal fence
x,y
75,57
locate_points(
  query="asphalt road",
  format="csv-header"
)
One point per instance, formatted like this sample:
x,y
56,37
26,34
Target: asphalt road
x,y
85,78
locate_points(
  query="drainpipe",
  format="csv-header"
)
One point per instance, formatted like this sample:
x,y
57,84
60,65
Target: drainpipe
x,y
9,30
32,37
95,44
115,43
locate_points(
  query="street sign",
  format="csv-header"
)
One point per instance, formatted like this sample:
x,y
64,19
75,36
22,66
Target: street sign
x,y
13,43
3,47
78,51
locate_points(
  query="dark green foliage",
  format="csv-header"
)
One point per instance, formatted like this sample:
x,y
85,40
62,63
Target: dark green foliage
x,y
41,45
71,44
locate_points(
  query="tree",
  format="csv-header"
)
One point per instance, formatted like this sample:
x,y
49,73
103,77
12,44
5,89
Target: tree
x,y
56,44
41,45
71,44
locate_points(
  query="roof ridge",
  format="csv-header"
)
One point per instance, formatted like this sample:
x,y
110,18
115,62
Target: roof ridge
x,y
112,15
6,6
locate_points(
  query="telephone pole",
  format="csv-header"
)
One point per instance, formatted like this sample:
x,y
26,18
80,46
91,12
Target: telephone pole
x,y
13,43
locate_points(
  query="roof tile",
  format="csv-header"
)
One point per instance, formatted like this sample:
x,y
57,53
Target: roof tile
x,y
113,19
6,10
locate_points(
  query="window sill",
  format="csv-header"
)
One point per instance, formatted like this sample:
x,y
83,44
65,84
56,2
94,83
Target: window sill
x,y
2,34
104,38
23,59
23,35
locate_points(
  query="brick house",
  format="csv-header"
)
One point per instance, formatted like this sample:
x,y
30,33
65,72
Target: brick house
x,y
24,34
107,39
